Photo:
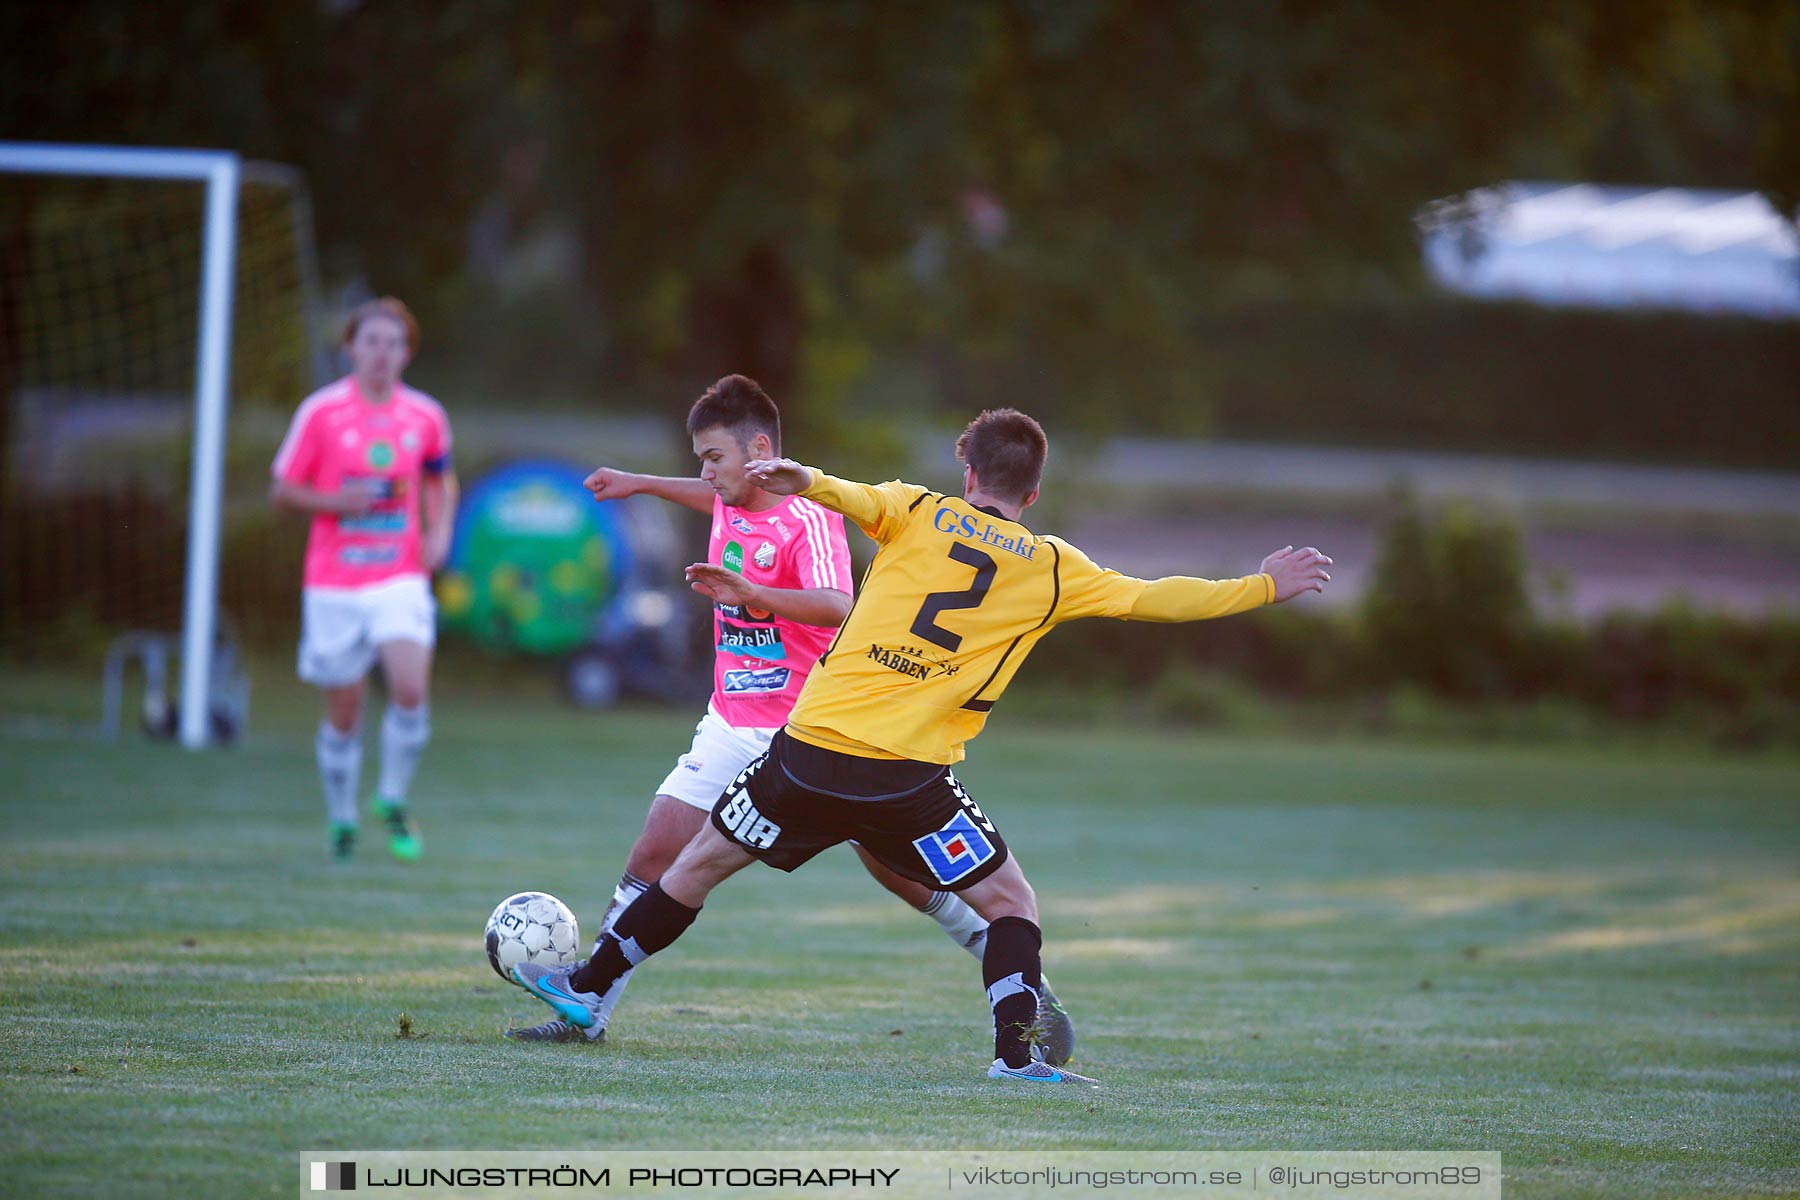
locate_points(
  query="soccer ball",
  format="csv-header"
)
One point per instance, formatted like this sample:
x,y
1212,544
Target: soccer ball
x,y
532,927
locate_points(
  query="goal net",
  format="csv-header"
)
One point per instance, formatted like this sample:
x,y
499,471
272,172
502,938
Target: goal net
x,y
101,318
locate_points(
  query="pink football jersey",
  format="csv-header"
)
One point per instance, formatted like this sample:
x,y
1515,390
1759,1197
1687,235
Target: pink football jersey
x,y
763,660
337,437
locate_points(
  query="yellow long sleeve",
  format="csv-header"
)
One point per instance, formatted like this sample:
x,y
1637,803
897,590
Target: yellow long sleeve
x,y
1185,598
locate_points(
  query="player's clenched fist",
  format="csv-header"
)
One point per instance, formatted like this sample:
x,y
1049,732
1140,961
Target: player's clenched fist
x,y
1295,571
608,483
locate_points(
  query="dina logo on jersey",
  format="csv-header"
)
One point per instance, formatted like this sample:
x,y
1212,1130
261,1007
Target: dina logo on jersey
x,y
733,557
381,454
956,849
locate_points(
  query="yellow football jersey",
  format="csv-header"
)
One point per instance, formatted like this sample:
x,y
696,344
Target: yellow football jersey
x,y
955,599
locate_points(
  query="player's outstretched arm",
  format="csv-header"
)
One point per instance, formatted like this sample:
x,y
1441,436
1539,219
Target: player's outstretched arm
x,y
1296,571
779,476
1285,574
610,483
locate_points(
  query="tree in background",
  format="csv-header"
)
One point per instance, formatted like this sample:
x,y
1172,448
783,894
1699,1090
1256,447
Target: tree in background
x,y
1000,201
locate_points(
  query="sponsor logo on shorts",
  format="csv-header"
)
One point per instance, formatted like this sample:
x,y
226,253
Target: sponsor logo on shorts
x,y
744,823
956,849
743,683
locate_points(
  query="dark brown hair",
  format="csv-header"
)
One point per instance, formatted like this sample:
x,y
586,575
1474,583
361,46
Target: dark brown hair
x,y
1007,449
393,310
739,404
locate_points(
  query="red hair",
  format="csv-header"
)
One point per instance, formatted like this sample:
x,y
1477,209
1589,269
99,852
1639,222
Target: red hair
x,y
393,310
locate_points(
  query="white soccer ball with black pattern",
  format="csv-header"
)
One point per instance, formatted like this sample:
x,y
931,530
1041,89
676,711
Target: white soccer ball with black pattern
x,y
533,927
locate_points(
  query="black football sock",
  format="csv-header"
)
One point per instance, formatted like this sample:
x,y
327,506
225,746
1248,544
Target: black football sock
x,y
650,923
1011,968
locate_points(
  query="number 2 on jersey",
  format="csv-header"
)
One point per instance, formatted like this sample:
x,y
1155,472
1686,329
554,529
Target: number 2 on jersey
x,y
925,624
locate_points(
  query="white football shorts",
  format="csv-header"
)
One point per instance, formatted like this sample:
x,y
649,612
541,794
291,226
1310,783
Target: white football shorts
x,y
719,754
341,628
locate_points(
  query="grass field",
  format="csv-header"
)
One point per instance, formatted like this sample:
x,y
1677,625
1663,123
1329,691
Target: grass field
x,y
1589,962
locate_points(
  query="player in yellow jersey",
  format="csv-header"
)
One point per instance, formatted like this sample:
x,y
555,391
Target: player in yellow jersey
x,y
956,597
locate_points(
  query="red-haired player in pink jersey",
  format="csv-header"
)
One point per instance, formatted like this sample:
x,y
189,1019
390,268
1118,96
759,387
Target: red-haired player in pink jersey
x,y
368,458
778,572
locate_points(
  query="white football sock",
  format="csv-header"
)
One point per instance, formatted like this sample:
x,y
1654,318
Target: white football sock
x,y
960,923
404,734
629,889
340,768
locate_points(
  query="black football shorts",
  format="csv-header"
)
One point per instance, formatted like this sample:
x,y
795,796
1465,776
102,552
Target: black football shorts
x,y
915,818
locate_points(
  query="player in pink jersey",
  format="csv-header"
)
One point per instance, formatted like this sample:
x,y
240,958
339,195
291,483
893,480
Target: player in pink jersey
x,y
369,459
778,572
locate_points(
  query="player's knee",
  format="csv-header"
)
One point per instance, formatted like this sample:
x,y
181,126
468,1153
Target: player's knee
x,y
651,855
668,827
1008,894
407,694
343,712
705,862
711,855
1022,903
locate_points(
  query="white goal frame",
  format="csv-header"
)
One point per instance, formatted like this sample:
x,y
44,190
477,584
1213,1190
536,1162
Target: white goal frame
x,y
221,171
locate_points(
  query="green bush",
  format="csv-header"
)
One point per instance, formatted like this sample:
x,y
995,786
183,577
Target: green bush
x,y
1447,607
1646,665
1445,643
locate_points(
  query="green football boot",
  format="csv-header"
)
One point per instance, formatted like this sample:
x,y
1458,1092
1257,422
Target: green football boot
x,y
343,841
403,836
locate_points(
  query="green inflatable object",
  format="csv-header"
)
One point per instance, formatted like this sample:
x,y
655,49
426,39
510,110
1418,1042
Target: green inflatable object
x,y
534,563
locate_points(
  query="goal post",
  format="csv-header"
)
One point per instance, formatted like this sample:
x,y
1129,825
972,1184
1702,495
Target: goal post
x,y
220,172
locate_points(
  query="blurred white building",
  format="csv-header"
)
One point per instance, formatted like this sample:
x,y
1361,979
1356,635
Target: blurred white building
x,y
1617,247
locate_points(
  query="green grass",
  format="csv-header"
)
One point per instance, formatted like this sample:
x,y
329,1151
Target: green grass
x,y
1588,962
